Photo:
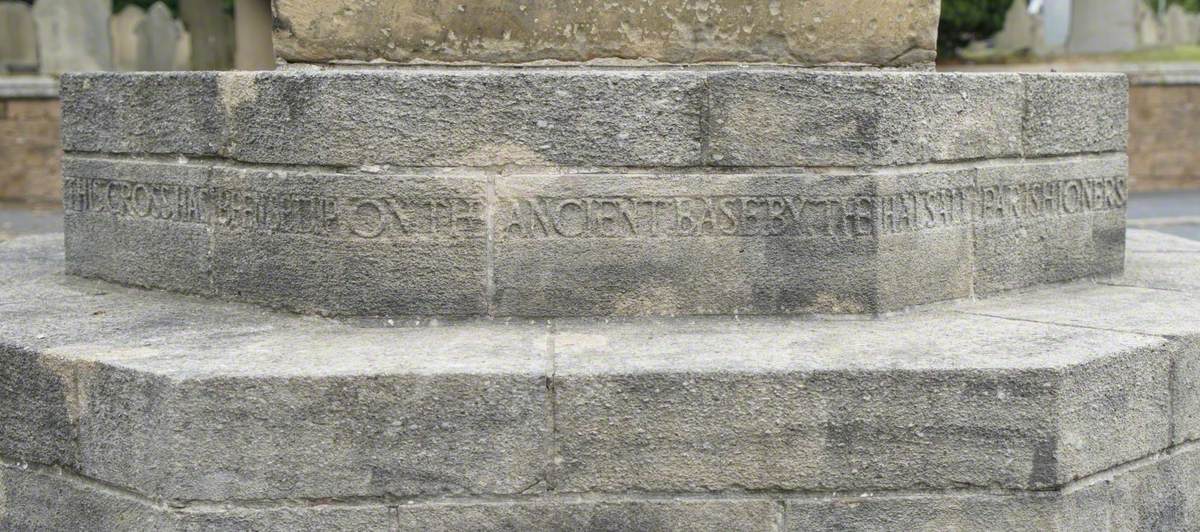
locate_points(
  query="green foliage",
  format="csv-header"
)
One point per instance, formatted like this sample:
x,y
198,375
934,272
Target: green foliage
x,y
1189,5
964,21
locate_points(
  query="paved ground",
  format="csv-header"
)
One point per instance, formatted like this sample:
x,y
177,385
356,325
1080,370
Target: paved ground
x,y
18,219
1177,213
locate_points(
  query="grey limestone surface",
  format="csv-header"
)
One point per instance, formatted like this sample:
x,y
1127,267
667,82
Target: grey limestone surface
x,y
231,402
601,117
1075,113
540,243
1018,413
554,192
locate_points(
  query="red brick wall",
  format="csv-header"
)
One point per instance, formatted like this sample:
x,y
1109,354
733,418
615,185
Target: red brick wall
x,y
1164,136
30,151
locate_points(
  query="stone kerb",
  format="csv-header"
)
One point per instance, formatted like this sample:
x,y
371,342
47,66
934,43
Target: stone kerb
x,y
593,192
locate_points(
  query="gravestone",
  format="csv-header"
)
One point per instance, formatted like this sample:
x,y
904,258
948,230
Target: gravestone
x,y
125,38
1181,27
252,20
1056,23
593,239
1022,31
212,34
18,38
73,35
1103,26
158,36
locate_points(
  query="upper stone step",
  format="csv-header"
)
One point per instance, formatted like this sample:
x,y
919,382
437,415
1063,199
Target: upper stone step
x,y
893,33
550,192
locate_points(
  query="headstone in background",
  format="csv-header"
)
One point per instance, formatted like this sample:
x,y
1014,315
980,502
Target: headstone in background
x,y
158,35
1103,26
1022,31
252,21
73,35
1180,27
1149,29
212,33
1056,23
18,38
125,38
183,51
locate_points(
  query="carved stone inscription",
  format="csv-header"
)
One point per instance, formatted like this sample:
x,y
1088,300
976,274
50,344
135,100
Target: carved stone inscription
x,y
799,216
363,217
592,217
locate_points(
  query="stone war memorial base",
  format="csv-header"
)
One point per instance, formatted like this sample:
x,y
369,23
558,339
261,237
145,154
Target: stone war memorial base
x,y
1070,407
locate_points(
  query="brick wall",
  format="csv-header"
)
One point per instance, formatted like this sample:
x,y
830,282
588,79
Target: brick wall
x,y
1164,136
30,151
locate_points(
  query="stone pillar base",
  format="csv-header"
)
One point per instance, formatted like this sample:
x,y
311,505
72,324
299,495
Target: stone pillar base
x,y
127,409
594,192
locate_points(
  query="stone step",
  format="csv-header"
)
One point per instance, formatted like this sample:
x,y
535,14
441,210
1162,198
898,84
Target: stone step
x,y
1032,408
551,192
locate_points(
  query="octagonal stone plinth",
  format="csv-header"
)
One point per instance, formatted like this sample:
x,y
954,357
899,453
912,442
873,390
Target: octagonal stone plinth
x,y
593,192
130,409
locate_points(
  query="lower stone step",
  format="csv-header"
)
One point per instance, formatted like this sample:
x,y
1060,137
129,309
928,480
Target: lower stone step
x,y
1067,408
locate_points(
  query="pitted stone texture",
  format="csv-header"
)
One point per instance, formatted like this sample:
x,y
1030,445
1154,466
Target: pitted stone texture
x,y
1075,113
1159,493
771,118
533,244
176,113
107,236
864,32
651,515
588,118
232,402
1022,242
42,500
1162,493
473,118
363,244
647,407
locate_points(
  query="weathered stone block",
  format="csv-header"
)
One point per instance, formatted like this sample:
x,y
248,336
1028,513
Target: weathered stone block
x,y
1026,209
689,244
892,33
594,192
672,406
232,403
773,118
1075,113
172,113
138,223
41,500
344,244
468,118
36,407
651,515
